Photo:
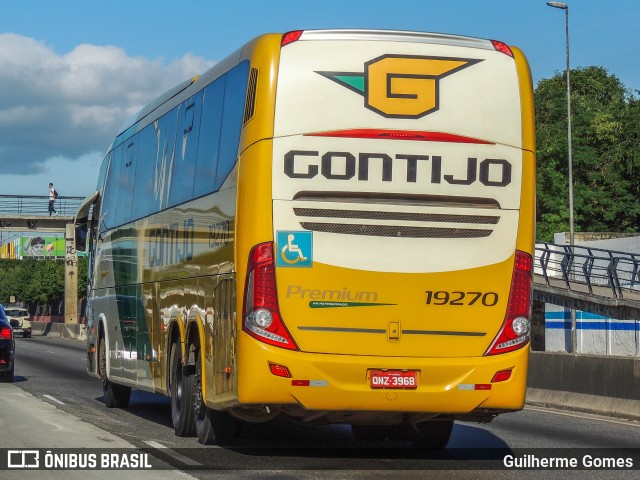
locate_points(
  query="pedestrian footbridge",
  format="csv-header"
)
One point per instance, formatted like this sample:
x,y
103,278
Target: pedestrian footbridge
x,y
604,282
21,213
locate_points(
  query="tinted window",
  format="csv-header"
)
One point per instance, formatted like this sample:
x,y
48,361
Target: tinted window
x,y
165,131
143,193
103,173
110,201
234,99
184,162
209,143
127,180
187,153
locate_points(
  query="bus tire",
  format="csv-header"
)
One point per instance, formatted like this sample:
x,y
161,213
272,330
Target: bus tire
x,y
212,426
114,395
215,427
434,434
181,388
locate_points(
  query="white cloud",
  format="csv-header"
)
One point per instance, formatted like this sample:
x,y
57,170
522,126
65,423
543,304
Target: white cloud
x,y
77,177
66,106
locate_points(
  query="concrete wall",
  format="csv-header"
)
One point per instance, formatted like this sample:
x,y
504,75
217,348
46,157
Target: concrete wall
x,y
599,384
59,330
596,334
621,242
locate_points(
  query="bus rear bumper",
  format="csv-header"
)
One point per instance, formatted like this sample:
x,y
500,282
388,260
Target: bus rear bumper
x,y
326,382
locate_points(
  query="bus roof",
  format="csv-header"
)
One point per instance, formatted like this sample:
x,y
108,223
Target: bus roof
x,y
397,36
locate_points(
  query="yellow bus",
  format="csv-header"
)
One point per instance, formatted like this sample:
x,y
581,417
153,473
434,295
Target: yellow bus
x,y
332,225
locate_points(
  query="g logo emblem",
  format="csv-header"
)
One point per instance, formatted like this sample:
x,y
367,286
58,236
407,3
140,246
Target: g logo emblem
x,y
401,86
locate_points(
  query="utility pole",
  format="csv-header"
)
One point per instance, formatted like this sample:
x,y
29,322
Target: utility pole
x,y
70,276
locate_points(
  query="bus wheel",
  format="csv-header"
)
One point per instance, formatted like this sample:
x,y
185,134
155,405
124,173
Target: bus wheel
x,y
115,396
212,426
216,427
181,387
434,434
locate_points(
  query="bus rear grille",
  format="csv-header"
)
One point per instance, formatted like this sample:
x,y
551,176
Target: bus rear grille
x,y
396,231
403,216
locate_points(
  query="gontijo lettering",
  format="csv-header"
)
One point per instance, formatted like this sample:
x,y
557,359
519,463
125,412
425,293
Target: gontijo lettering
x,y
171,244
306,164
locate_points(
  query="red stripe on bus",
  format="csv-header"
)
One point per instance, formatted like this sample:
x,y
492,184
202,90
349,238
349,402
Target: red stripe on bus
x,y
401,135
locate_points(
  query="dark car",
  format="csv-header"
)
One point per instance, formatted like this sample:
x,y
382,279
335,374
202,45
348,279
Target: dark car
x,y
7,348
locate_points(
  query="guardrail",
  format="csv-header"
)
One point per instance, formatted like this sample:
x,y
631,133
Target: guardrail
x,y
37,205
590,268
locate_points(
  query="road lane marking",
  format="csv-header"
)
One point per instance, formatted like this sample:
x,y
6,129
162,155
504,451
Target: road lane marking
x,y
628,423
171,453
53,399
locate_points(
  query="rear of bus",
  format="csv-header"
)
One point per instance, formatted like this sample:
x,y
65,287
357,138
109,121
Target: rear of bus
x,y
399,275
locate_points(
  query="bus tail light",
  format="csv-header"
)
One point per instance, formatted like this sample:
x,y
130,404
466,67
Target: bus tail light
x,y
261,313
291,37
502,47
501,376
279,370
515,330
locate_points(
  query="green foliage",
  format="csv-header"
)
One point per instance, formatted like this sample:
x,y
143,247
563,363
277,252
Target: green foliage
x,y
37,282
606,154
82,276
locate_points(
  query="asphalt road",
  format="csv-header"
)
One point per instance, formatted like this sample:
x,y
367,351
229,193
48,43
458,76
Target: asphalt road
x,y
54,371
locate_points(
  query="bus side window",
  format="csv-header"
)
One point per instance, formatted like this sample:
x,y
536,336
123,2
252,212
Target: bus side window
x,y
110,202
165,130
127,180
205,179
234,100
100,186
143,192
184,162
103,173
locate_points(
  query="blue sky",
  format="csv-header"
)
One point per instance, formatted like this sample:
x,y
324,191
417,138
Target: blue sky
x,y
72,71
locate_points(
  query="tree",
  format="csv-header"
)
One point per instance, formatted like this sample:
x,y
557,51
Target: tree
x,y
37,282
606,149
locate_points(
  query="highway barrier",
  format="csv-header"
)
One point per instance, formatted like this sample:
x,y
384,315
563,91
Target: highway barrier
x,y
588,383
59,330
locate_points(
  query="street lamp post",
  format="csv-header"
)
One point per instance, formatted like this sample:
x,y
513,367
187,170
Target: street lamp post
x,y
565,7
569,149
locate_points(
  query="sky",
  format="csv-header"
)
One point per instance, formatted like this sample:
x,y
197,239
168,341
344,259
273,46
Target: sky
x,y
72,71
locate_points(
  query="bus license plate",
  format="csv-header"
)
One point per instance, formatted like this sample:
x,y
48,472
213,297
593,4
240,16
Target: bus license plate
x,y
393,379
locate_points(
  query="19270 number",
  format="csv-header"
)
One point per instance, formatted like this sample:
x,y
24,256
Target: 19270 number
x,y
441,297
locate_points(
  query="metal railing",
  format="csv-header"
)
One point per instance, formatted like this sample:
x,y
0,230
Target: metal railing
x,y
37,205
592,269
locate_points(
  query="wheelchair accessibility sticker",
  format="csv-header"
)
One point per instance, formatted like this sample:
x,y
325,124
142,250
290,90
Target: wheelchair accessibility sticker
x,y
294,249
